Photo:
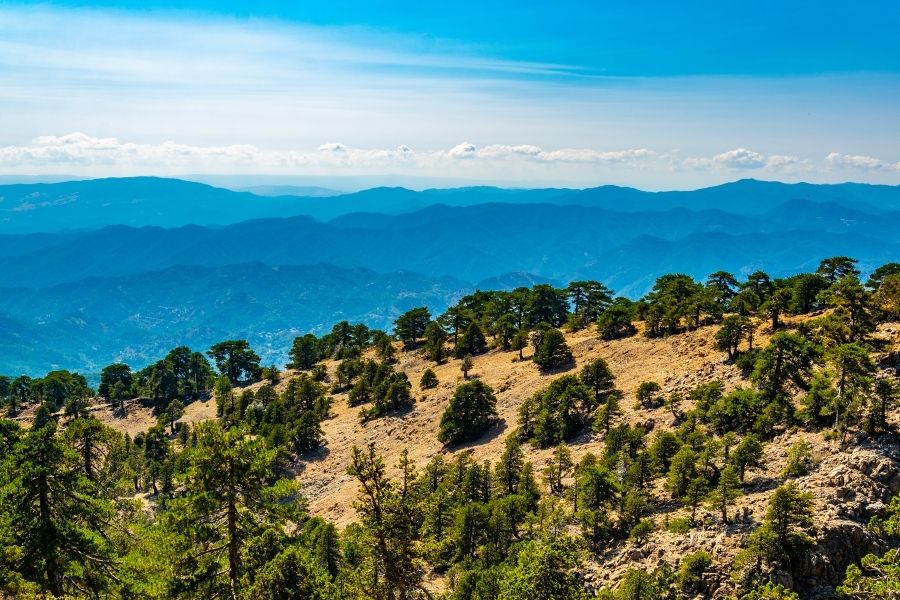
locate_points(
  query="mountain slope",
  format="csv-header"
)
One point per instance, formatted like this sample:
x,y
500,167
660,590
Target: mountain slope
x,y
471,243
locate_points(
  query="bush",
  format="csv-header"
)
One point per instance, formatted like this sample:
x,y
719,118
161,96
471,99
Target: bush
x,y
429,380
690,574
800,460
771,591
680,525
472,409
641,532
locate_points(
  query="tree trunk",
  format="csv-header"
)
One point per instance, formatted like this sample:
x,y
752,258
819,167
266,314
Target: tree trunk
x,y
86,457
233,550
54,576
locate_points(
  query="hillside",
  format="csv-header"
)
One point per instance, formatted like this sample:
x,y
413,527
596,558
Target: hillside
x,y
849,484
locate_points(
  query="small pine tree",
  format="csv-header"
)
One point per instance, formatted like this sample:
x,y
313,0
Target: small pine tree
x,y
599,377
747,454
558,467
696,490
800,460
435,336
551,350
519,342
429,380
783,536
607,414
647,393
465,365
641,532
472,342
725,492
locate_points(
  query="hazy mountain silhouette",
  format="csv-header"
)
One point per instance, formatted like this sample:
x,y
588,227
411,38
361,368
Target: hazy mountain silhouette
x,y
82,297
140,201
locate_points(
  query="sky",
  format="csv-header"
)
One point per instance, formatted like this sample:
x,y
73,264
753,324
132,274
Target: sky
x,y
656,95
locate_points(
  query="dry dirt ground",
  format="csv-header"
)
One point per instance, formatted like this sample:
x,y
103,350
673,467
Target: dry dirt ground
x,y
671,361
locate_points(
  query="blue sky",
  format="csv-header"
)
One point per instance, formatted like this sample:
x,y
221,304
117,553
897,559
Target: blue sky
x,y
651,94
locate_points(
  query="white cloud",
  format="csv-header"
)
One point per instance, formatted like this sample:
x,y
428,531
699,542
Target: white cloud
x,y
782,162
740,158
467,150
79,149
859,162
463,150
336,147
743,159
583,155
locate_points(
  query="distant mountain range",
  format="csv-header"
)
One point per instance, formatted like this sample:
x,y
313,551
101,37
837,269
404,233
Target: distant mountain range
x,y
83,294
140,201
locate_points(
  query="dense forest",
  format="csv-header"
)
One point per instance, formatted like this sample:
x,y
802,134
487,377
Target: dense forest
x,y
213,509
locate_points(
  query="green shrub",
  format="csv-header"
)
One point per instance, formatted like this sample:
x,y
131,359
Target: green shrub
x,y
679,525
641,532
690,574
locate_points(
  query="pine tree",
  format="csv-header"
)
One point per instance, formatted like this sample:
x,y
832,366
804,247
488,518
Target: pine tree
x,y
599,377
508,470
435,336
429,380
52,518
519,342
472,409
558,467
465,365
410,326
391,570
607,414
304,352
237,361
725,492
231,492
783,536
551,350
747,454
471,343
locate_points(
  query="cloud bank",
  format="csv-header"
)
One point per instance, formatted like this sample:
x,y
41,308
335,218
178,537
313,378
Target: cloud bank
x,y
82,154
